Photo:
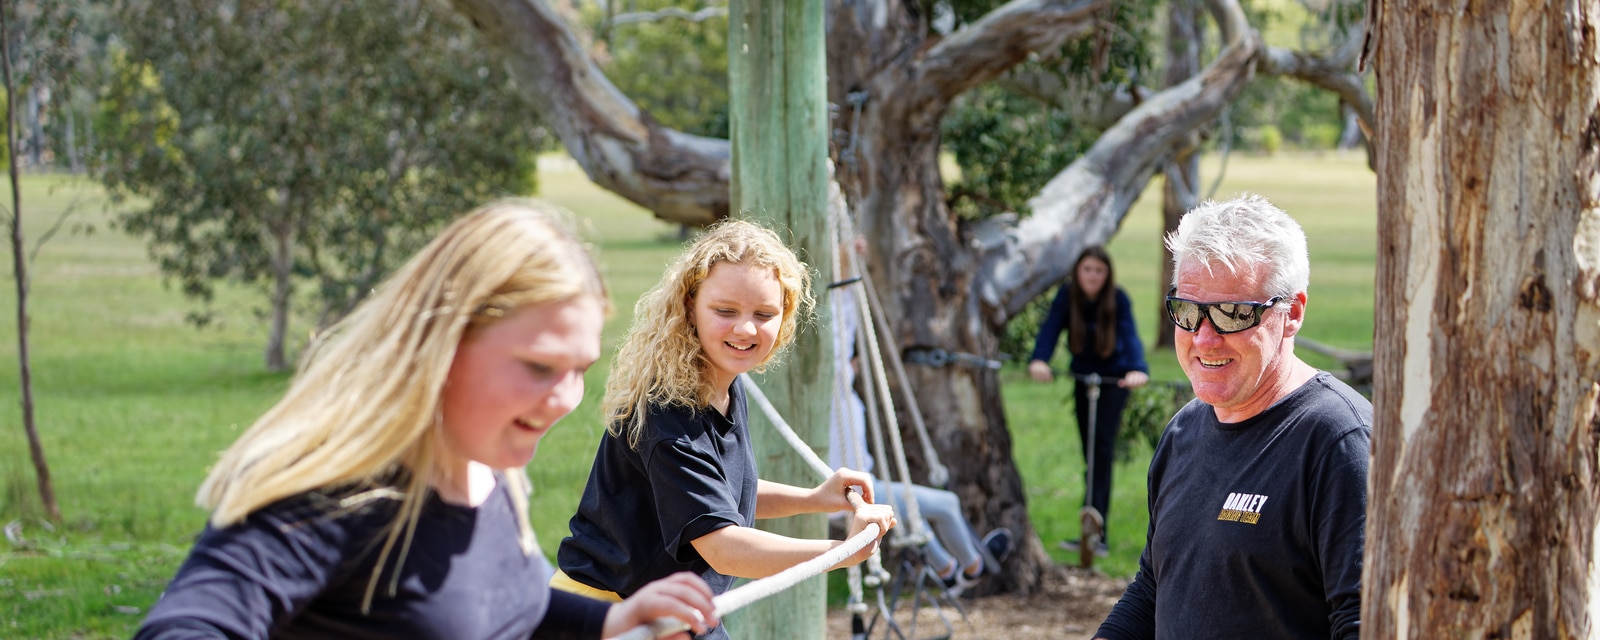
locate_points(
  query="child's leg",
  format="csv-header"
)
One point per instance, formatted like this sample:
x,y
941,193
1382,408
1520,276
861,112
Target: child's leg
x,y
942,510
938,557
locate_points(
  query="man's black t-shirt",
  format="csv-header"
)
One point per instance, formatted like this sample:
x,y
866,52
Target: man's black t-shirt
x,y
1256,527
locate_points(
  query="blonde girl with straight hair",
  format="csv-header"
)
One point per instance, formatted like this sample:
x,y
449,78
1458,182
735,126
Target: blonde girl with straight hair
x,y
674,485
384,495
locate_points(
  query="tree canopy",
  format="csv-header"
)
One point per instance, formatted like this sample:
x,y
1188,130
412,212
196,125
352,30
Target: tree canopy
x,y
277,144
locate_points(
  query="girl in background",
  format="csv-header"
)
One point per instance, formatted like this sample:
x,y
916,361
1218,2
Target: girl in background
x,y
1103,340
674,484
384,496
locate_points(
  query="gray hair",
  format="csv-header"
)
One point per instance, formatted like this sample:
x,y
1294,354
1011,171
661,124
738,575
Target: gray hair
x,y
1238,235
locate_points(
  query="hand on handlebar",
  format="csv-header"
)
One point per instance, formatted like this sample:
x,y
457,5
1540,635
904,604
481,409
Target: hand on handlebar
x,y
1039,370
1133,379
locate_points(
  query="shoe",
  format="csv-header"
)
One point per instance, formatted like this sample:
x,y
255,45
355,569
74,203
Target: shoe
x,y
1100,549
959,583
998,543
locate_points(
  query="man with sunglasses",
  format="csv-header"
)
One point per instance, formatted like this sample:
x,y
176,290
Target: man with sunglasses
x,y
1258,487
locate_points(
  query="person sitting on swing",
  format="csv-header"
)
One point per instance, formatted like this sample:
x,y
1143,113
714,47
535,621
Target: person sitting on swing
x,y
956,553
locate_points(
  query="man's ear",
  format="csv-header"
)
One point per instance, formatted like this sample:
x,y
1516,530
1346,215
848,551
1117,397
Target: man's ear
x,y
1297,315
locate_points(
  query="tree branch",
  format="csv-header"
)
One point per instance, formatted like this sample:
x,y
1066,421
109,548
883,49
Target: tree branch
x,y
1085,203
1002,39
670,12
681,177
1335,72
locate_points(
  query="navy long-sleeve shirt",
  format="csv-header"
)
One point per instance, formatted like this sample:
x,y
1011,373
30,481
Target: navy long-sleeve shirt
x,y
1128,356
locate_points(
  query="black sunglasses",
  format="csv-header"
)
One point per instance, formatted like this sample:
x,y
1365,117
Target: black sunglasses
x,y
1226,317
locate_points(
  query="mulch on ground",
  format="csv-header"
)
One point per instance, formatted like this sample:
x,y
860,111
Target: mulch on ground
x,y
1069,605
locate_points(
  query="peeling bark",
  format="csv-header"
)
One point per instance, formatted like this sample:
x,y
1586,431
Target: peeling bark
x,y
1485,502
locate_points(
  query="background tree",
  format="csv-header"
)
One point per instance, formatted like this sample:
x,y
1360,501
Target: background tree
x,y
670,57
35,46
896,69
1486,495
281,143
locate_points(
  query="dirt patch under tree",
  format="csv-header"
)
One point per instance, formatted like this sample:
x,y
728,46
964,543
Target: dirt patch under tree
x,y
1069,605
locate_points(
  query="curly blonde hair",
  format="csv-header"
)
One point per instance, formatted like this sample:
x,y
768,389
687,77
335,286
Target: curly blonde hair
x,y
661,361
363,408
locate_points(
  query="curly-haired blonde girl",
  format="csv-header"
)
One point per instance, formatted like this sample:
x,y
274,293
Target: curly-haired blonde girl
x,y
674,484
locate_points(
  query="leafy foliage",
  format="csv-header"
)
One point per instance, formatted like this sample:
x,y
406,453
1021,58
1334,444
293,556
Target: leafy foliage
x,y
1008,144
279,143
1007,147
1145,418
674,68
1276,113
1016,343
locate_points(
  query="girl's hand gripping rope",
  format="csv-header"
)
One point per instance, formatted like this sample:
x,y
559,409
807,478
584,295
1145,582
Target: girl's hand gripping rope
x,y
831,494
866,515
757,589
681,600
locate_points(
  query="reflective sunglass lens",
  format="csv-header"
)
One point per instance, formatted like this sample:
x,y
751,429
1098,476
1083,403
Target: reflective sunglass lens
x,y
1185,314
1230,317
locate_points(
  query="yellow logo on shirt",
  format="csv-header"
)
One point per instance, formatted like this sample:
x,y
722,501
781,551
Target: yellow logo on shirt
x,y
1242,507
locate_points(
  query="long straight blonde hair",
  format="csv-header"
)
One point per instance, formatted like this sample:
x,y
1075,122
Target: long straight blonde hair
x,y
364,405
661,361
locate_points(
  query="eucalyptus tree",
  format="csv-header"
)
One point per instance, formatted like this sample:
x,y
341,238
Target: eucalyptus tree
x,y
1486,410
303,145
950,283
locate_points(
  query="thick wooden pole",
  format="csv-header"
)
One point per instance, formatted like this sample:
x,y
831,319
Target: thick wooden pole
x,y
779,125
1485,493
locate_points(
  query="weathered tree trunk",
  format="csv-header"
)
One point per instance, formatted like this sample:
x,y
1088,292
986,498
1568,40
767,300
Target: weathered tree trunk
x,y
1485,496
948,288
281,243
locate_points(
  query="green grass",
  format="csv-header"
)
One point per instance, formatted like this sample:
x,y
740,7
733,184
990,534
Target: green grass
x,y
133,404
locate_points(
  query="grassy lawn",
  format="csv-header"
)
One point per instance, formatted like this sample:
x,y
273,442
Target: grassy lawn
x,y
133,403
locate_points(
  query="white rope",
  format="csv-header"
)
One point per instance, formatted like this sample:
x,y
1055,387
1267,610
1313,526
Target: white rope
x,y
841,230
850,425
874,564
878,399
938,475
919,534
750,592
812,459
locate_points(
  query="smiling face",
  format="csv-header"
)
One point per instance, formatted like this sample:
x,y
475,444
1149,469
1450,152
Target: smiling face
x,y
514,378
737,314
1238,374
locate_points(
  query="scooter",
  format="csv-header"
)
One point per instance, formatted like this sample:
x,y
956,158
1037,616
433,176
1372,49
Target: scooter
x,y
1091,521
